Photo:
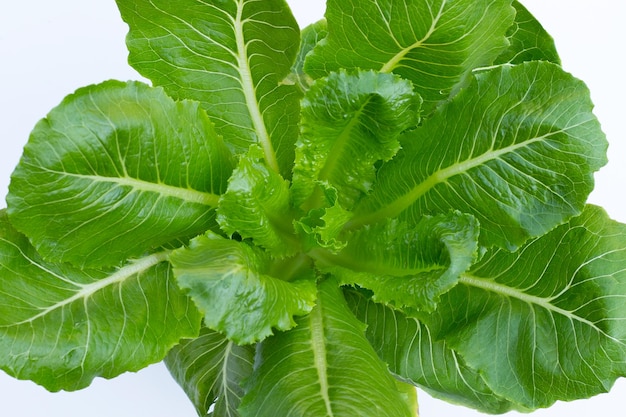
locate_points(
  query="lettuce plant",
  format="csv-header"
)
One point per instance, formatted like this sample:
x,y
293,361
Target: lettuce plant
x,y
314,222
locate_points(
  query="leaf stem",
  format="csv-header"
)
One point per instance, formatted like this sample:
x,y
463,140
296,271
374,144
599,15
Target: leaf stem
x,y
249,90
404,201
510,292
318,344
133,268
185,194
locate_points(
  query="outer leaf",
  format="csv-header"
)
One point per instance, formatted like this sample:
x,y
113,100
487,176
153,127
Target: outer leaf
x,y
117,169
61,326
211,369
229,282
323,367
517,149
433,43
412,353
231,56
551,315
529,41
256,205
350,122
408,266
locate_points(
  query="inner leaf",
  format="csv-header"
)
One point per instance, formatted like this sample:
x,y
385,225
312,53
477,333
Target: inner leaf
x,y
349,123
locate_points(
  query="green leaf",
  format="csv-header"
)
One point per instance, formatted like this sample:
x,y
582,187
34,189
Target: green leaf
x,y
529,41
322,227
211,369
232,56
516,148
62,326
408,346
117,169
406,266
257,205
231,285
328,359
552,315
433,43
350,122
309,37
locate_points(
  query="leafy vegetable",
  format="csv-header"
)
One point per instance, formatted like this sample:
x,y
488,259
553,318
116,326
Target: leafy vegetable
x,y
316,222
315,357
117,169
62,325
211,369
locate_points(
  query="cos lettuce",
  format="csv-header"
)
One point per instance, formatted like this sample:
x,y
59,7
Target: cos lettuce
x,y
315,222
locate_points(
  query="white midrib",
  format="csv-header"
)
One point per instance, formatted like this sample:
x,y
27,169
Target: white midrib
x,y
393,62
88,290
249,90
225,389
400,204
318,345
545,303
185,194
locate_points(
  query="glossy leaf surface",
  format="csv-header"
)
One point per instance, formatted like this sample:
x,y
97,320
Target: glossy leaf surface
x,y
322,227
211,370
230,283
115,170
413,354
433,43
517,149
350,122
62,326
323,367
313,223
405,266
257,205
231,56
552,315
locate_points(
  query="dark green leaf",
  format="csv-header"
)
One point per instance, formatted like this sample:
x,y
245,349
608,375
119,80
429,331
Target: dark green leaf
x,y
61,326
323,367
115,170
231,285
350,122
211,369
517,148
408,266
412,353
232,56
551,316
433,43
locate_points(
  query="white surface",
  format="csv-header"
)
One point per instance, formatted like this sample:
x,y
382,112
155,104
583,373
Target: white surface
x,y
50,48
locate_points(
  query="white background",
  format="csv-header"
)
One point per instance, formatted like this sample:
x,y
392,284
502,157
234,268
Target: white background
x,y
50,48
